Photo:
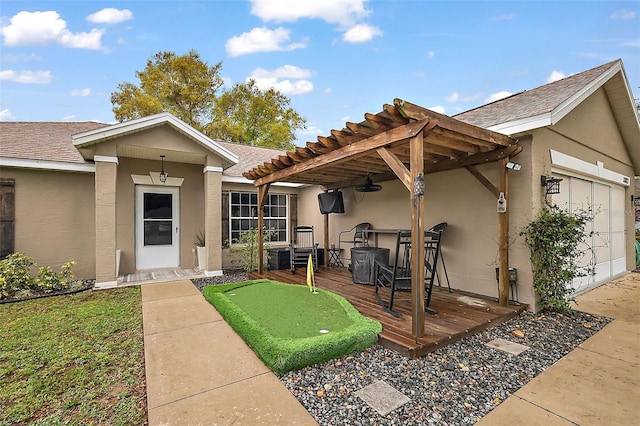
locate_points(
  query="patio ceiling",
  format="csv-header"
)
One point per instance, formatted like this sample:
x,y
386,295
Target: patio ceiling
x,y
378,147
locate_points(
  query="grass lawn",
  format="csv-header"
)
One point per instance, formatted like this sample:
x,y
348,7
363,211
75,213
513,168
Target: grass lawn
x,y
76,359
290,328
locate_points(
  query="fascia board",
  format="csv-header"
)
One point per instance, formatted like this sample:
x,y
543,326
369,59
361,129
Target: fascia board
x,y
47,165
568,105
522,125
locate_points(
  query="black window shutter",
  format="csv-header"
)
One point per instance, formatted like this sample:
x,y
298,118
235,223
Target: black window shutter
x,y
7,217
225,218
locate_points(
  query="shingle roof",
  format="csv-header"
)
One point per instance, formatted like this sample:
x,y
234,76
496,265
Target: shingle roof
x,y
530,103
52,141
250,157
43,140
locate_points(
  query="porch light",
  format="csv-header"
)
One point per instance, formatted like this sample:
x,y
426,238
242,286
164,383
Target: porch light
x,y
552,184
514,166
163,174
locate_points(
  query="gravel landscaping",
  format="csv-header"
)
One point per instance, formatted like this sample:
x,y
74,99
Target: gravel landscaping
x,y
455,385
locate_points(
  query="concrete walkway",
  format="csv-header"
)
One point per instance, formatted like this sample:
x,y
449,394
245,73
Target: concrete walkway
x,y
598,383
199,372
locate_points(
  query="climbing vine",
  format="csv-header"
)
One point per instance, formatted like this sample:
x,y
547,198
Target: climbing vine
x,y
556,239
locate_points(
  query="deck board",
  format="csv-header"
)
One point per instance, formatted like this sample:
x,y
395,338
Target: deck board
x,y
459,314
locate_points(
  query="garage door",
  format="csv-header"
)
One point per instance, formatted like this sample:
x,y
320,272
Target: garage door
x,y
605,235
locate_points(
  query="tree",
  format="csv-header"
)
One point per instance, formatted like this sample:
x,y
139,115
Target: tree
x,y
188,88
247,114
183,85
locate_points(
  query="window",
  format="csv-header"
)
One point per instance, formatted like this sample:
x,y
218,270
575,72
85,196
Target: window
x,y
244,215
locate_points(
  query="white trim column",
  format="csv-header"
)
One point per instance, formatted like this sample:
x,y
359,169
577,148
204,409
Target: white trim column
x,y
213,219
105,187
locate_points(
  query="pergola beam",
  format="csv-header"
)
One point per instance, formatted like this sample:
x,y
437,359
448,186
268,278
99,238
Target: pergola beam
x,y
346,153
416,112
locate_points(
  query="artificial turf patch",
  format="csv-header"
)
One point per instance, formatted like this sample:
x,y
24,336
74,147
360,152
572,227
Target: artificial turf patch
x,y
289,327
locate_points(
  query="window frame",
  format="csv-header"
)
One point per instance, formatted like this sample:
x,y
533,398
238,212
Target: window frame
x,y
250,205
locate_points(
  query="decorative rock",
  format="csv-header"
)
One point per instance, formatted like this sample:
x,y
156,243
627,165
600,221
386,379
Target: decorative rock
x,y
443,394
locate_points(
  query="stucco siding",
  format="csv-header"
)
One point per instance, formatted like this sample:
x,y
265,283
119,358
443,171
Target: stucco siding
x,y
470,246
593,125
55,218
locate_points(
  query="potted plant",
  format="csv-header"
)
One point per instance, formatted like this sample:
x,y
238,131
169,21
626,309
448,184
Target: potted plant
x,y
201,251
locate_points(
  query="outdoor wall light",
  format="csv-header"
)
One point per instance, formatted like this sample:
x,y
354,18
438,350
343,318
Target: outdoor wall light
x,y
514,166
552,184
418,185
163,174
513,281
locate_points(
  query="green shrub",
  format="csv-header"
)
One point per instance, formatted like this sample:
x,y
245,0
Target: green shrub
x,y
16,280
49,282
246,250
14,274
555,237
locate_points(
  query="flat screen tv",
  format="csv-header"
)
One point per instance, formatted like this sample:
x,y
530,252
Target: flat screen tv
x,y
331,202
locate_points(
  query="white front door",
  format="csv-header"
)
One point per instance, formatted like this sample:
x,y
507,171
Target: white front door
x,y
157,227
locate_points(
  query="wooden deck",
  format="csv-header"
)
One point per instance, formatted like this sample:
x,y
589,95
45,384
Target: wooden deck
x,y
460,314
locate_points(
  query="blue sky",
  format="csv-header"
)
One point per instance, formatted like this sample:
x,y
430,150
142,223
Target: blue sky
x,y
335,59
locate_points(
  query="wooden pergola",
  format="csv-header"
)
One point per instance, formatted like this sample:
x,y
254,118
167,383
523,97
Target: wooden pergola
x,y
403,141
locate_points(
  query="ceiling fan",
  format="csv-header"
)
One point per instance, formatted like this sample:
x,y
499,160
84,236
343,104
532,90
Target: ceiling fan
x,y
368,186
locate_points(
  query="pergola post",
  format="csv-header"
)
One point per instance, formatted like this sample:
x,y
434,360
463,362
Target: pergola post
x,y
503,235
416,168
263,191
326,240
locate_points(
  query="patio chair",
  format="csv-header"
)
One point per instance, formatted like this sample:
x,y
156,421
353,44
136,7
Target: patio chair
x,y
390,278
440,227
303,245
397,276
359,238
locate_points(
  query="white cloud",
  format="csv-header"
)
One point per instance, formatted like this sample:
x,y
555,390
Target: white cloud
x,y
261,40
69,118
110,15
458,97
342,12
431,54
310,130
227,82
632,43
497,96
46,28
5,115
555,76
327,90
81,92
623,14
20,57
26,77
288,79
361,33
438,108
